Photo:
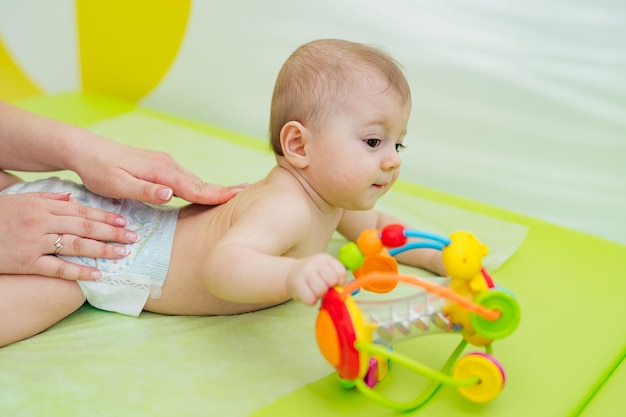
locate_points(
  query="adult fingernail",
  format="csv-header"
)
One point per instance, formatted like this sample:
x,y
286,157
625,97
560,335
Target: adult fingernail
x,y
121,221
165,194
120,250
96,274
132,236
240,187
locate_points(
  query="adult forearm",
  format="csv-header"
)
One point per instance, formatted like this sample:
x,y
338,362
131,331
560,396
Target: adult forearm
x,y
30,142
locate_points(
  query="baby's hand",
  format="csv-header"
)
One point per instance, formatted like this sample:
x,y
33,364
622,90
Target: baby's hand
x,y
311,277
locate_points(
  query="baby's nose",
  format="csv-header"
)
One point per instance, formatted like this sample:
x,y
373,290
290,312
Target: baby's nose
x,y
391,161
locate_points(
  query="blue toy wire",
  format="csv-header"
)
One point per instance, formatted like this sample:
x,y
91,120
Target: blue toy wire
x,y
427,235
416,245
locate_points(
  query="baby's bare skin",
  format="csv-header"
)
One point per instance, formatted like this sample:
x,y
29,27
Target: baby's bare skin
x,y
184,291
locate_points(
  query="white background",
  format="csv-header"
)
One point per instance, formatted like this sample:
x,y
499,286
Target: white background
x,y
521,105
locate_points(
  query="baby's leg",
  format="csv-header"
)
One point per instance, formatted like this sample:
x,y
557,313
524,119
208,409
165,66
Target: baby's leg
x,y
31,304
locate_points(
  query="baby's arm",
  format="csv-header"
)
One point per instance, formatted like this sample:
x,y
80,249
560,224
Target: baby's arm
x,y
258,260
354,222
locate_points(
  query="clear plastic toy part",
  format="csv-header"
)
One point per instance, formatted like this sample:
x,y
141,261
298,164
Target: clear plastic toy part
x,y
357,337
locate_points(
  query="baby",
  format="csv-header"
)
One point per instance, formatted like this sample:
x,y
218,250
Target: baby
x,y
338,120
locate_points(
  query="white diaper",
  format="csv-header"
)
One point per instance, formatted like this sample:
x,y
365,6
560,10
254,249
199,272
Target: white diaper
x,y
122,293
127,282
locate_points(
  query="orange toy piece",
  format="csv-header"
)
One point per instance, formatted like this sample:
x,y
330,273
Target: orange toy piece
x,y
338,347
377,259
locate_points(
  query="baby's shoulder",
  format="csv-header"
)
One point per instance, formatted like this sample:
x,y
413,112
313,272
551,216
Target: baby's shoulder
x,y
278,205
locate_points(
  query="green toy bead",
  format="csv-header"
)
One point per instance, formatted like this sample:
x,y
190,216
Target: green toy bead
x,y
351,256
510,314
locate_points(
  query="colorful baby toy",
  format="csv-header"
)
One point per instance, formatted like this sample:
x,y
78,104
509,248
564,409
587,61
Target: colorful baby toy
x,y
357,337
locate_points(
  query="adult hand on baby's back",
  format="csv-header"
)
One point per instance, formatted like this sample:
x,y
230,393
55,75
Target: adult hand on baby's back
x,y
119,171
311,277
35,226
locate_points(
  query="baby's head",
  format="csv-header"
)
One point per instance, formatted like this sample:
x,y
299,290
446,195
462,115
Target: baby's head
x,y
317,80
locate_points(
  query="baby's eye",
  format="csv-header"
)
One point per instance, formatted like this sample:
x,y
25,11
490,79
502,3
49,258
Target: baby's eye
x,y
373,142
400,147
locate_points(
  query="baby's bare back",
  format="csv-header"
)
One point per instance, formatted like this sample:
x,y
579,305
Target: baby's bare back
x,y
198,230
184,292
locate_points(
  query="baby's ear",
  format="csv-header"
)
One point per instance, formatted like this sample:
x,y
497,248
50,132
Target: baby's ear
x,y
293,140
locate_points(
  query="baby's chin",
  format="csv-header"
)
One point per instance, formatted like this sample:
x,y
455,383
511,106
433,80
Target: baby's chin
x,y
359,206
365,201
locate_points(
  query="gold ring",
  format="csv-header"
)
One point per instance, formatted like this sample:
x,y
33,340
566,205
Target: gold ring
x,y
58,244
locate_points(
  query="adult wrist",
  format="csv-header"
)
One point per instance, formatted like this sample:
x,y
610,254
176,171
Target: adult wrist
x,y
76,152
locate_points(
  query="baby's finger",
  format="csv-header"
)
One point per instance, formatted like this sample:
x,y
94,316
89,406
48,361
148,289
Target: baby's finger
x,y
320,286
302,292
308,297
333,273
340,273
52,266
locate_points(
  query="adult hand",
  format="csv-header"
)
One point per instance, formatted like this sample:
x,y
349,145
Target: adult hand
x,y
118,171
29,142
32,223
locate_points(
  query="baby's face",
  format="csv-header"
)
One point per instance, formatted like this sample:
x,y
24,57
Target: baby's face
x,y
355,153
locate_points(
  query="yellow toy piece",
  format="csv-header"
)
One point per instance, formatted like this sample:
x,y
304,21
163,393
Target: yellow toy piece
x,y
461,317
462,259
487,369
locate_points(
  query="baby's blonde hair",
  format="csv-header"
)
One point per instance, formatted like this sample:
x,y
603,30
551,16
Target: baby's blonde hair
x,y
317,79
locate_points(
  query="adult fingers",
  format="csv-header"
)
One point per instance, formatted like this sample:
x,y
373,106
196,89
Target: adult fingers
x,y
211,194
134,188
93,230
87,213
87,222
62,196
71,245
193,191
52,266
189,187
